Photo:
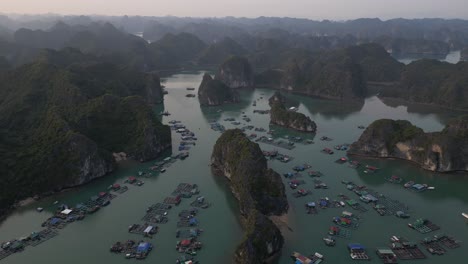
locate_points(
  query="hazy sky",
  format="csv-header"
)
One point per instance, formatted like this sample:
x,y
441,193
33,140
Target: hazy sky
x,y
315,9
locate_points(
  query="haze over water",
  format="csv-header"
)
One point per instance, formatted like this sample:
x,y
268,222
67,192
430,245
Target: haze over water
x,y
89,241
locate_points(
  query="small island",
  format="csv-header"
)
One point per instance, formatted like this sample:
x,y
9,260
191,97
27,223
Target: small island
x,y
444,151
259,190
236,72
214,92
281,116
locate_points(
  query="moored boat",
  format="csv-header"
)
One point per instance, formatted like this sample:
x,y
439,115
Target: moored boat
x,y
409,184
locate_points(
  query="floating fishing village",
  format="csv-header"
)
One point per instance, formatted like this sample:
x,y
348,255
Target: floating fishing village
x,y
312,188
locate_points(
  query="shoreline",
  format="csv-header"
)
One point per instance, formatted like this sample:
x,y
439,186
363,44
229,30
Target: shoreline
x,y
405,103
30,200
414,163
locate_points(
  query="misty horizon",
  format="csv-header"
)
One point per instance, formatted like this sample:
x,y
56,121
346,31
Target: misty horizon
x,y
334,10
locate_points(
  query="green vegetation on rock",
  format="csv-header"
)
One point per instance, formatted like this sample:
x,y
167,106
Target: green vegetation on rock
x,y
443,151
236,72
260,192
214,92
218,52
59,125
433,82
279,115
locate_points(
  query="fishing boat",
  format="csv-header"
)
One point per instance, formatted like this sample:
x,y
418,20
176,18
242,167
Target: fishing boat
x,y
465,215
39,209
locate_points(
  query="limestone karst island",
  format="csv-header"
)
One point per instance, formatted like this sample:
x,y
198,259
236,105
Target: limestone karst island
x,y
245,132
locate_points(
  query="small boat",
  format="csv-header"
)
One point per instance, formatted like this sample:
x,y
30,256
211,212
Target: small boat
x,y
39,209
329,241
465,215
431,188
162,170
165,213
56,202
409,184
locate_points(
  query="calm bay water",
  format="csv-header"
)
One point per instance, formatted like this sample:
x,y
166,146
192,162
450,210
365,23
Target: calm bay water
x,y
89,241
452,57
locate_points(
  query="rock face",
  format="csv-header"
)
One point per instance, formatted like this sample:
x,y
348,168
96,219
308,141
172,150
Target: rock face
x,y
280,116
59,124
432,82
444,151
214,92
259,190
341,74
236,72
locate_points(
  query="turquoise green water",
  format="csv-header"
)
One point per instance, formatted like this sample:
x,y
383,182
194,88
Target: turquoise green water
x,y
89,241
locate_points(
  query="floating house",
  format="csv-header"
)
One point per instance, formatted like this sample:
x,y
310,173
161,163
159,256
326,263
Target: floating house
x,y
357,252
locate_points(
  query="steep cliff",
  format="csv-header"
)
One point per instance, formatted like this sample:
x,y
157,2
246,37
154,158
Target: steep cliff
x,y
340,74
443,151
259,190
236,72
60,125
464,54
214,92
280,116
432,82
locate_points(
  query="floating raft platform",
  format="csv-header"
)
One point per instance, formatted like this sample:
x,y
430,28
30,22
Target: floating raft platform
x,y
188,213
200,202
144,229
339,232
187,222
32,240
432,246
188,233
121,190
132,249
40,237
424,226
280,144
302,193
448,242
173,200
407,251
155,217
387,256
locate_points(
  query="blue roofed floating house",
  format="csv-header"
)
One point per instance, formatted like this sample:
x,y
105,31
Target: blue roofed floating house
x,y
143,248
193,221
418,187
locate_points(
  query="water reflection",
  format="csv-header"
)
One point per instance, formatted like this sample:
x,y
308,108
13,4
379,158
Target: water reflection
x,y
214,113
447,185
442,115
